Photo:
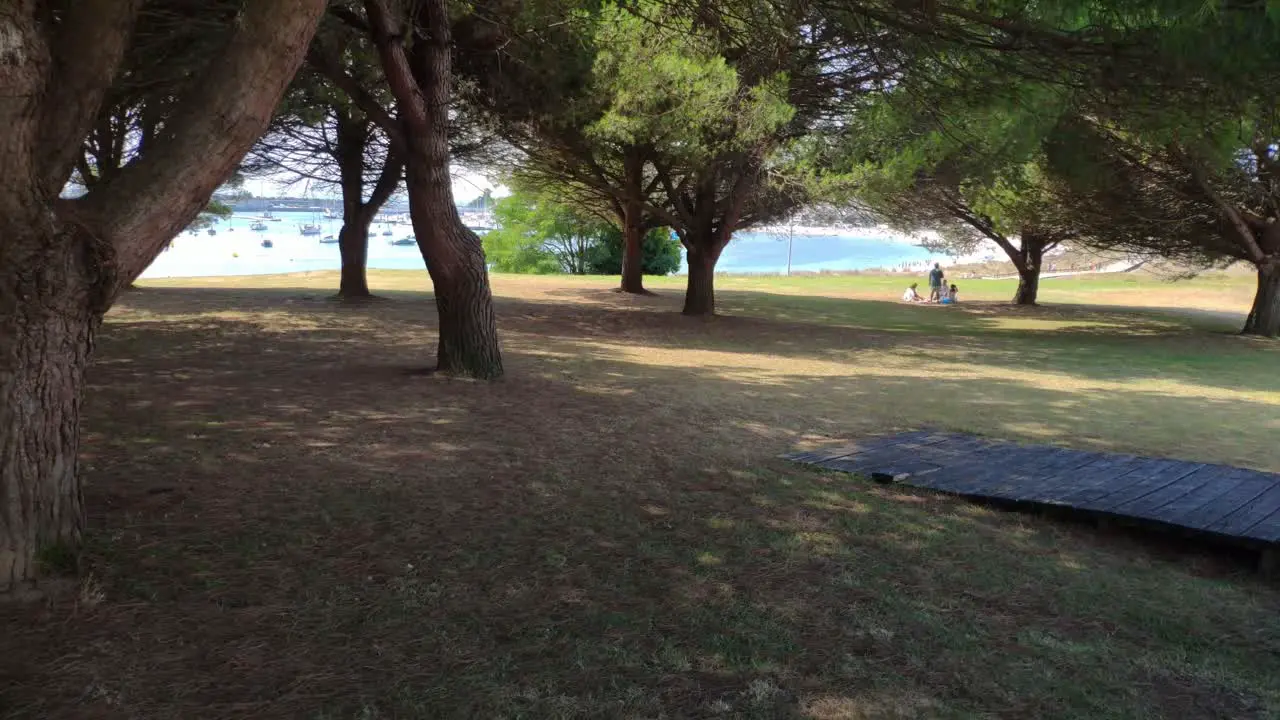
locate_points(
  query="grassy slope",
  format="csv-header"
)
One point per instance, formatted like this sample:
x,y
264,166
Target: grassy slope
x,y
285,525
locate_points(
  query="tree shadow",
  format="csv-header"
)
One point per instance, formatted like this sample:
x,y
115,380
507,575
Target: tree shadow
x,y
1102,371
1107,344
284,523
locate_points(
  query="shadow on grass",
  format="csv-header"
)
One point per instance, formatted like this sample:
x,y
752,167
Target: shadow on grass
x,y
285,524
1097,343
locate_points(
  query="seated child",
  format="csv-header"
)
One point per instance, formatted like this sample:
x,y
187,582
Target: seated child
x,y
950,296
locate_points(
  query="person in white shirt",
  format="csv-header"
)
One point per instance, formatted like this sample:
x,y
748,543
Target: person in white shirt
x,y
911,295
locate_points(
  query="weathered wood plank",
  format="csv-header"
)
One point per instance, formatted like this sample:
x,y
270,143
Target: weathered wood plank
x,y
969,479
973,474
1143,480
1258,509
1255,485
918,438
814,457
1057,470
1214,498
1133,477
1185,496
997,480
867,463
903,466
1102,476
1266,529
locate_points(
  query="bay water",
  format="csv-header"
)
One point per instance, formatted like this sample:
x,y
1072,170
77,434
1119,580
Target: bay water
x,y
236,250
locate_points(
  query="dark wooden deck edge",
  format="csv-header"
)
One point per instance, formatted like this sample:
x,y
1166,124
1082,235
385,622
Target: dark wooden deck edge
x,y
1269,550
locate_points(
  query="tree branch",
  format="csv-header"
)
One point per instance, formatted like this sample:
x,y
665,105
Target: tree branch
x,y
983,224
86,48
1232,214
388,181
395,65
363,99
213,126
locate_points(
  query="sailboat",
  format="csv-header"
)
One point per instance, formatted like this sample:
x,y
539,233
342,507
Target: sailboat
x,y
313,227
258,226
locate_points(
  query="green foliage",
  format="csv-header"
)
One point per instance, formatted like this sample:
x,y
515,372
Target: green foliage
x,y
956,153
526,228
661,254
666,86
538,235
214,211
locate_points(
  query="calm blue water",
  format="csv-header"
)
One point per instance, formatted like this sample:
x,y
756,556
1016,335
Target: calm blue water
x,y
755,252
236,250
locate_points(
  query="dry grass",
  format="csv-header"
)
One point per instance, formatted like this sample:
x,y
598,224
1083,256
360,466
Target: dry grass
x,y
286,524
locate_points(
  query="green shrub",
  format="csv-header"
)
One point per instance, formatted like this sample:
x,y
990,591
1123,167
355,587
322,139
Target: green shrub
x,y
661,254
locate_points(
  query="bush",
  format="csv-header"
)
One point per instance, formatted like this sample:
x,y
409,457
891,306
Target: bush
x,y
661,254
540,236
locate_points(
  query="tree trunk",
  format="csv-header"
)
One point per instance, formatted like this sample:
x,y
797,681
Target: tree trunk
x,y
700,294
353,244
455,261
1028,266
353,239
633,223
50,304
1264,318
62,261
1028,286
453,254
632,252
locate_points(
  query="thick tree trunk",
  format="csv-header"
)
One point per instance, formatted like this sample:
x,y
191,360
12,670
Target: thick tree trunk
x,y
632,252
1264,318
353,239
700,294
50,304
352,136
633,223
1028,286
353,245
453,254
1028,266
455,261
62,261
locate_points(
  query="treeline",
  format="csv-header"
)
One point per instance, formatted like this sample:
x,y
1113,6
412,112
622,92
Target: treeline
x,y
1137,125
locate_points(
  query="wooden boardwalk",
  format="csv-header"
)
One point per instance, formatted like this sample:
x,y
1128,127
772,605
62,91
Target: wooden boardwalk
x,y
1232,503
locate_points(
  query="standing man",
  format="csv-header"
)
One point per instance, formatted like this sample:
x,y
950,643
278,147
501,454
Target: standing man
x,y
936,277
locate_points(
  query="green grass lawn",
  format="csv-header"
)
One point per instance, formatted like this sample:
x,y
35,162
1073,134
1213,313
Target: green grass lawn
x,y
286,524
